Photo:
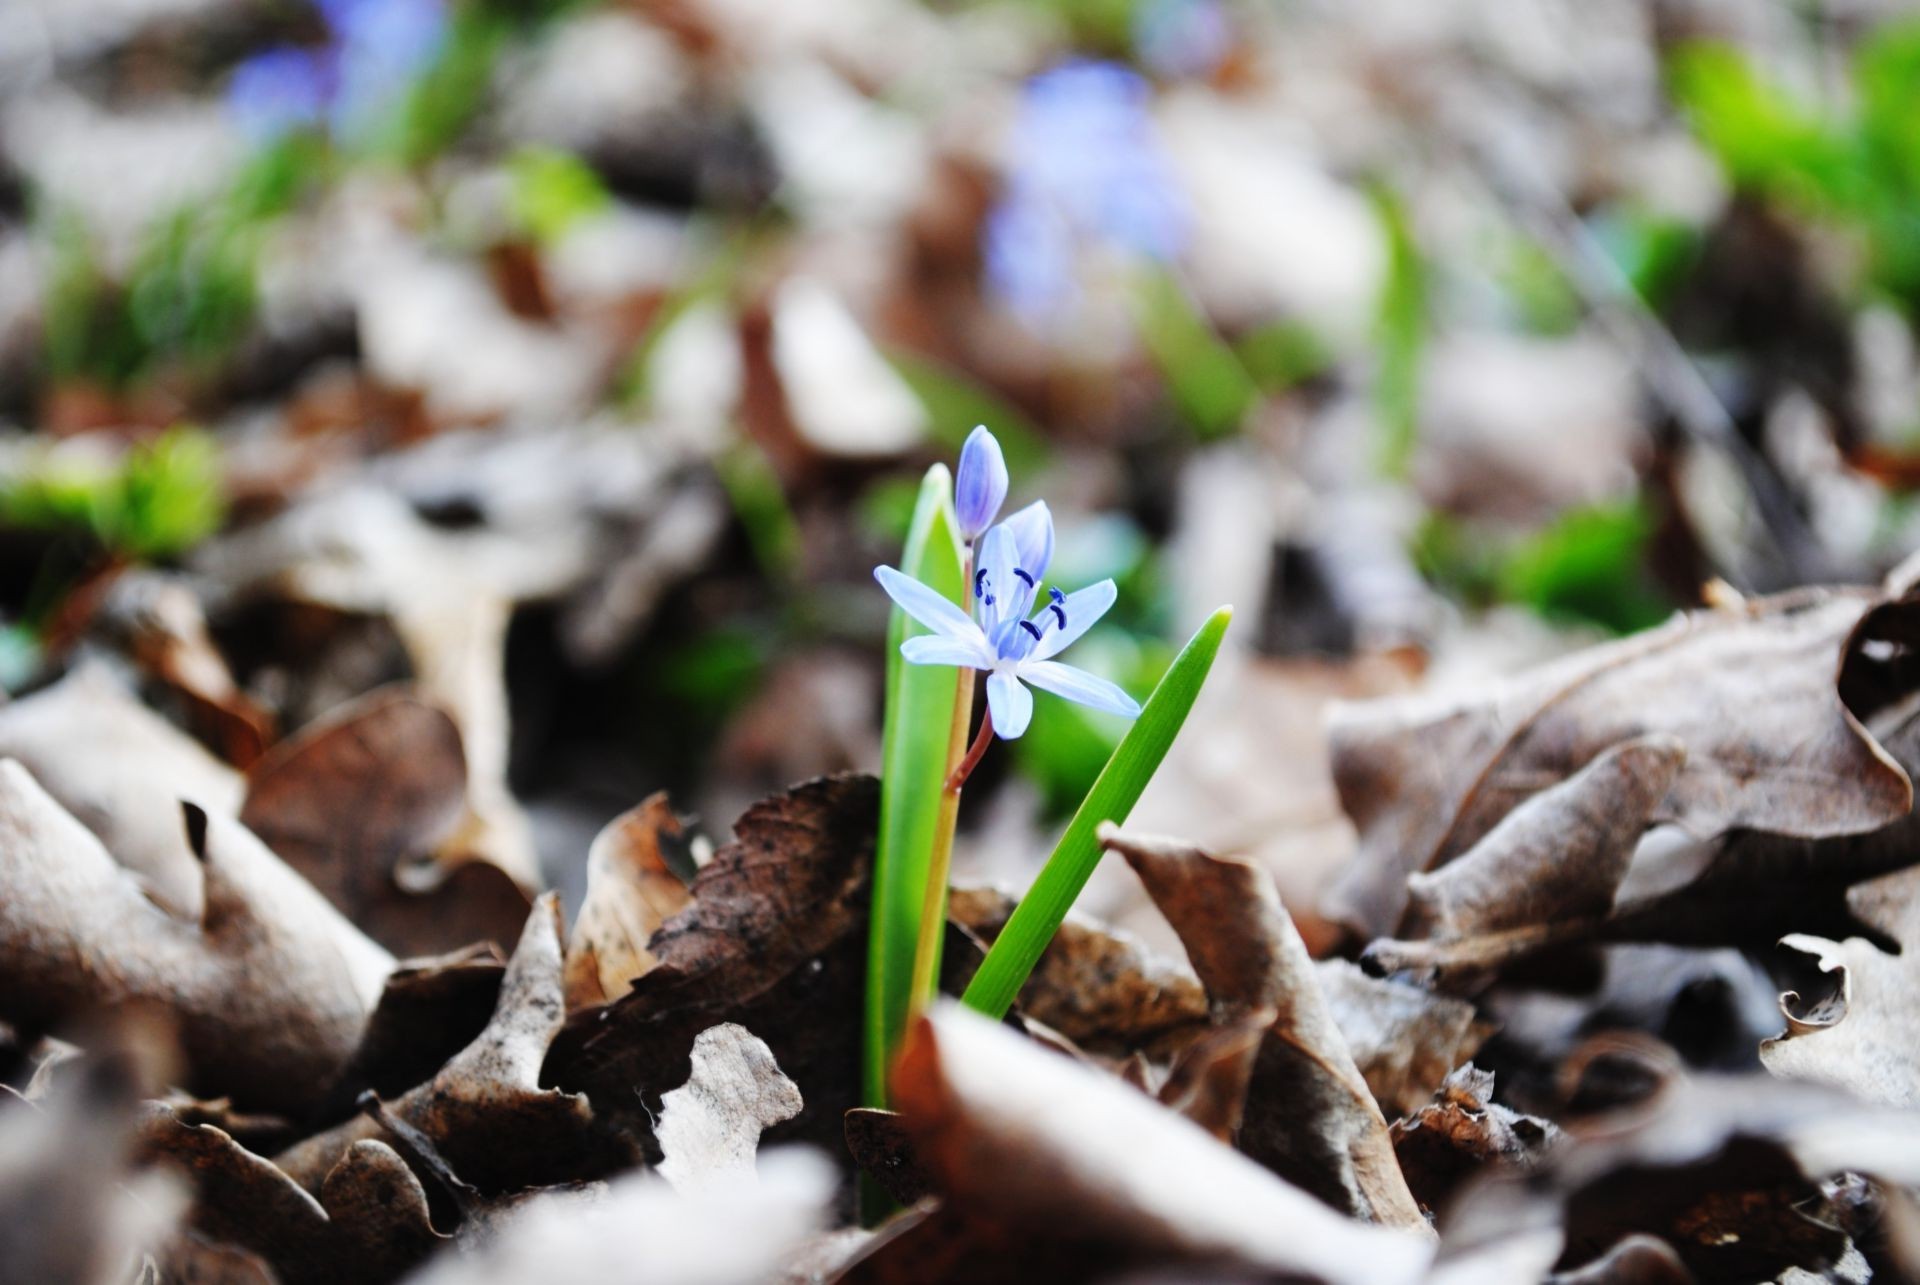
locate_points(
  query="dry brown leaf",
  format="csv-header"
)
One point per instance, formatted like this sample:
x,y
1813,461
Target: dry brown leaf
x,y
1069,1172
1427,778
123,771
1208,1080
485,1110
710,1127
631,891
271,988
879,1144
1101,989
360,801
1309,1115
1463,1133
1405,1039
774,940
430,1010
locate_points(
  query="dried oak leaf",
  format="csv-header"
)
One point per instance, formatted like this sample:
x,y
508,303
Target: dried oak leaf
x,y
1426,778
1043,1164
270,987
631,891
368,1221
1101,989
1462,1133
430,1010
710,1126
485,1109
359,801
774,940
1309,1115
123,771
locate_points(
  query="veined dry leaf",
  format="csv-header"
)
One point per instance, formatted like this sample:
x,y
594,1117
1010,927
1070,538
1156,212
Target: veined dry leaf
x,y
1057,1164
486,1110
123,771
1101,989
774,940
710,1126
1463,1133
631,891
271,988
360,801
1309,1115
1426,778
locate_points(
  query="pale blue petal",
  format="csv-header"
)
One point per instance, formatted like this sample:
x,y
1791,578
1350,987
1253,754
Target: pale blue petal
x,y
931,649
928,606
980,488
1080,686
993,576
1011,705
1032,529
1083,607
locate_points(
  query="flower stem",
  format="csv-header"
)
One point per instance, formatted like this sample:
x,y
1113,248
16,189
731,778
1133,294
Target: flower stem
x,y
933,910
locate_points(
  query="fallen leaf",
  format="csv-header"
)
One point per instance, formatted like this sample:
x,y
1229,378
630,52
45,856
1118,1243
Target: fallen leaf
x,y
1309,1115
1405,1039
631,891
1464,1133
485,1109
430,1010
710,1126
359,803
1426,778
879,1144
270,987
1051,1163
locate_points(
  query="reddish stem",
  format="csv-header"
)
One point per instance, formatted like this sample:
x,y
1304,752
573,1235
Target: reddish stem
x,y
975,752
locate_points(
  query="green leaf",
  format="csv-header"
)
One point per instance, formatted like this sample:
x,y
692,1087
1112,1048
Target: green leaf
x,y
919,717
1124,779
552,191
1400,337
1203,374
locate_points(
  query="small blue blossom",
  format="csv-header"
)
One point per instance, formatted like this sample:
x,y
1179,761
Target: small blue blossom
x,y
1182,37
1084,170
1000,638
981,487
375,50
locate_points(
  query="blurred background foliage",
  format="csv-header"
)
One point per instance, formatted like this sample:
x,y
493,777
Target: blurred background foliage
x,y
1376,318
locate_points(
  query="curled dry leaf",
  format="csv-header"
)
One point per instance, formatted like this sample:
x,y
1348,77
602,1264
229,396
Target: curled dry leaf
x,y
1427,778
710,1126
1462,1133
123,771
368,1221
774,939
1547,870
631,891
430,1010
1101,989
1862,1037
485,1109
271,988
1309,1115
1209,1078
360,801
1047,1161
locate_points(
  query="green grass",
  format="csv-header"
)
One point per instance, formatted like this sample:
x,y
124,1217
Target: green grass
x,y
1122,781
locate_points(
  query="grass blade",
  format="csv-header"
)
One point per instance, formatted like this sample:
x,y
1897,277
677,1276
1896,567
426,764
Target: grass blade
x,y
919,712
1112,797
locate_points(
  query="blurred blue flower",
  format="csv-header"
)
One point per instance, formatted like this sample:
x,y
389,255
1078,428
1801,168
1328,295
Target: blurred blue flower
x,y
1084,170
374,50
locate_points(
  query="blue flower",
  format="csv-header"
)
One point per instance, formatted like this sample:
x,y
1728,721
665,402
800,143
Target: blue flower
x,y
981,487
1000,638
375,49
1084,169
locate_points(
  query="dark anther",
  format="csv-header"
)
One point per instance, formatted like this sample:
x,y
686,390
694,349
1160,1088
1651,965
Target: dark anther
x,y
1024,576
1053,592
980,584
1031,628
1061,612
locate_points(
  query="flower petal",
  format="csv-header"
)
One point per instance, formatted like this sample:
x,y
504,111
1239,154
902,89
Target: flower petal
x,y
928,606
1083,607
1032,529
931,649
1011,705
1080,686
993,576
981,486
